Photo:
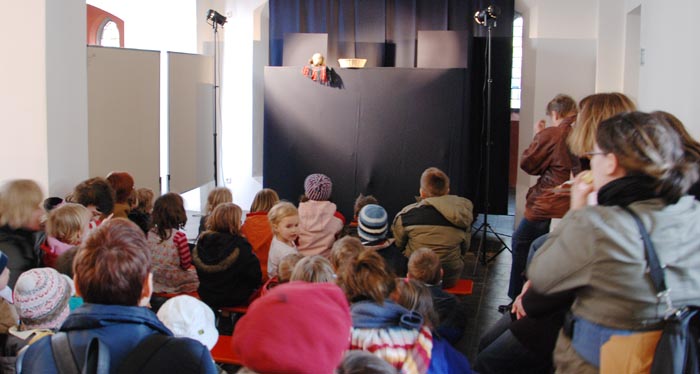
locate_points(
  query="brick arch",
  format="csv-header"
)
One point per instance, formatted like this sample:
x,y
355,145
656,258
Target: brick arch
x,y
96,19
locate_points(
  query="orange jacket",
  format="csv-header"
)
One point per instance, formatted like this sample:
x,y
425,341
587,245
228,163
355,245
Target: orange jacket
x,y
256,229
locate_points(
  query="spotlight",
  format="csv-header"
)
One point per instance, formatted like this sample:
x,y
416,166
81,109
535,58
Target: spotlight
x,y
491,12
216,17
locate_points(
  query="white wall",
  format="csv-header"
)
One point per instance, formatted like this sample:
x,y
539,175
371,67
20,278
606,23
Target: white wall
x,y
669,78
66,91
559,56
630,79
239,83
610,49
23,91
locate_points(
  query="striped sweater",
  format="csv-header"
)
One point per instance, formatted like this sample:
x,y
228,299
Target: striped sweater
x,y
393,333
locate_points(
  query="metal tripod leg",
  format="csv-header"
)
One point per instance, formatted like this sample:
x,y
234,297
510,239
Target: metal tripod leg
x,y
481,250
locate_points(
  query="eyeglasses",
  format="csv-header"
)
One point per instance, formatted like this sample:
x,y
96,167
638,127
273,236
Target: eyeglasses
x,y
590,155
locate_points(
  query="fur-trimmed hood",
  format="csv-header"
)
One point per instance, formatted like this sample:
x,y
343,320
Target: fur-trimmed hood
x,y
216,252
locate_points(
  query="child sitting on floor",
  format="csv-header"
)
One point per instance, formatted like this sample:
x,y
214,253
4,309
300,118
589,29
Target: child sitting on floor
x,y
256,227
319,221
360,202
66,227
284,222
228,271
216,196
413,295
424,266
170,254
373,230
141,208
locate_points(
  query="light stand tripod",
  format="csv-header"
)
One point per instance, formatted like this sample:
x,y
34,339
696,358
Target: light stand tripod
x,y
216,20
487,18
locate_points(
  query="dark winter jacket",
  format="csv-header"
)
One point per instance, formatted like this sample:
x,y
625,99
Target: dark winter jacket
x,y
228,271
121,329
21,249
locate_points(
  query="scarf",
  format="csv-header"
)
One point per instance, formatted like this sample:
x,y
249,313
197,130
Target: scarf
x,y
626,190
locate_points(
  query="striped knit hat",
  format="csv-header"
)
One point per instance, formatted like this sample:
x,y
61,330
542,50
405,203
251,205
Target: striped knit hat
x,y
318,187
41,297
372,223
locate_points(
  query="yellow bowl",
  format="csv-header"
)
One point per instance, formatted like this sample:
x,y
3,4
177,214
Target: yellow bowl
x,y
352,63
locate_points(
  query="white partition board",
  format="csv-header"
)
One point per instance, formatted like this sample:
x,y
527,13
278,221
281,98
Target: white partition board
x,y
191,120
124,114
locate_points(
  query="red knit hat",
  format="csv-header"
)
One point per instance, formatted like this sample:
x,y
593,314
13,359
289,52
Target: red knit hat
x,y
297,327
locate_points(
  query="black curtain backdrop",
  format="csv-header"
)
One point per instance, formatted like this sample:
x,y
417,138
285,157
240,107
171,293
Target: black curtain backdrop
x,y
385,32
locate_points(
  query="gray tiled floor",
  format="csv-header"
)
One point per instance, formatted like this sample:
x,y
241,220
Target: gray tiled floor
x,y
480,309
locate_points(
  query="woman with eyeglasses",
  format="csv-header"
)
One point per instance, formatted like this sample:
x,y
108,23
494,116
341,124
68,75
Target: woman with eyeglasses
x,y
596,253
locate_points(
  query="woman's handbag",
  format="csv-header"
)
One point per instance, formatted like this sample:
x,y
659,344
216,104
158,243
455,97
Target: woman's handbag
x,y
679,346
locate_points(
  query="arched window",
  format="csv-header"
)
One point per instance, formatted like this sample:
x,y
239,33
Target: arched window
x,y
515,88
109,34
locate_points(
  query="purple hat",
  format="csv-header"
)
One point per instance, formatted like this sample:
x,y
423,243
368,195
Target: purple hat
x,y
318,187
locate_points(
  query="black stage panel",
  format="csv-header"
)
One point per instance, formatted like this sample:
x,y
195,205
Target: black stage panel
x,y
375,135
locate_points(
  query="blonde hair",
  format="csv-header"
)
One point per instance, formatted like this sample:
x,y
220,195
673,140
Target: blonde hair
x,y
344,251
67,222
286,266
217,196
264,200
593,110
279,211
19,199
434,182
225,218
313,269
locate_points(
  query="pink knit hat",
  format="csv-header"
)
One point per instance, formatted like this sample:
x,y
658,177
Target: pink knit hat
x,y
41,298
318,187
297,327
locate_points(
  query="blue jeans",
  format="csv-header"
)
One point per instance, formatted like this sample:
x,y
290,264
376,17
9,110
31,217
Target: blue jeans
x,y
501,352
523,236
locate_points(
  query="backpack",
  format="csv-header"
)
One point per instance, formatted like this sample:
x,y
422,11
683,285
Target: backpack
x,y
679,346
97,357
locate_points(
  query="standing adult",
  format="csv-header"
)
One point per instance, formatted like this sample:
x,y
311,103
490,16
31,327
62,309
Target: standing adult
x,y
20,220
549,158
